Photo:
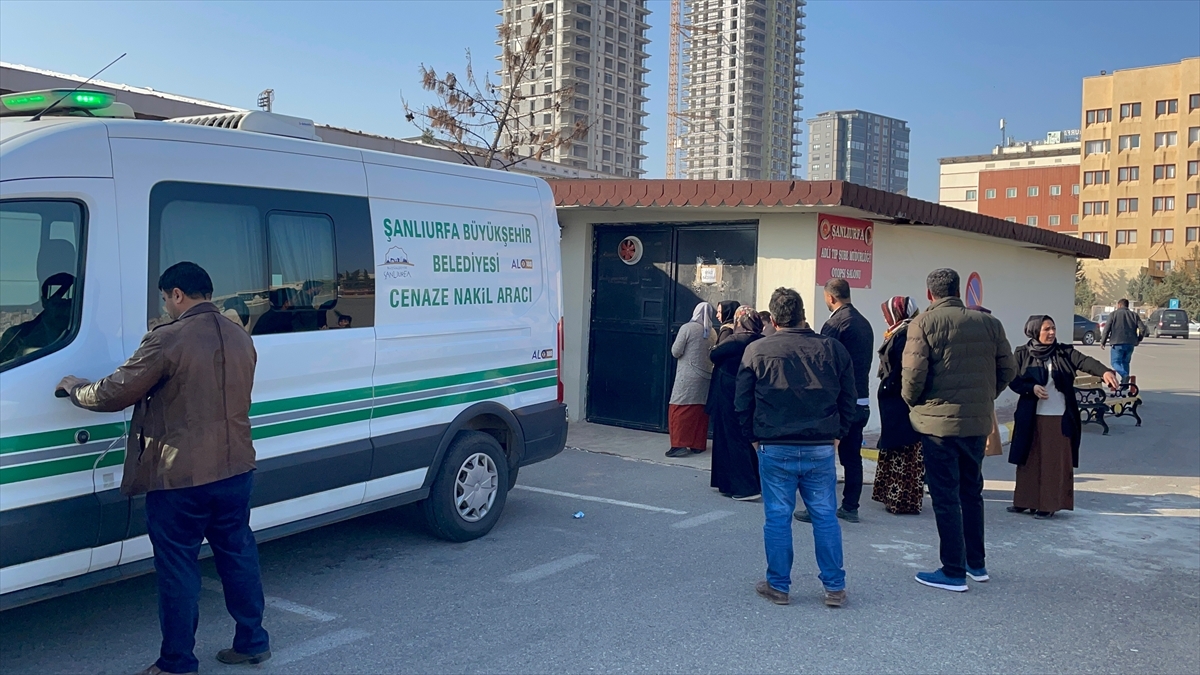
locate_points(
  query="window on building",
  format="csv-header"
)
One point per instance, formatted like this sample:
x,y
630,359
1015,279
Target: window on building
x,y
1193,201
1161,204
990,193
1095,208
1130,142
1164,171
1167,107
1099,116
1098,237
1053,221
1011,219
1075,189
1011,193
1095,177
1192,234
1032,191
972,195
1127,205
1193,135
1193,102
1162,236
1031,221
1074,218
1055,190
1129,110
1166,139
1193,168
1099,147
1128,173
1126,237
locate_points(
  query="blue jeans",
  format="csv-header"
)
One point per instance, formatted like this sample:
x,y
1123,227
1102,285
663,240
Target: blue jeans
x,y
178,521
1121,356
784,469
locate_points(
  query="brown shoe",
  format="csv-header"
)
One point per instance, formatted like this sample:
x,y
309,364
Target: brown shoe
x,y
235,658
153,669
835,598
778,597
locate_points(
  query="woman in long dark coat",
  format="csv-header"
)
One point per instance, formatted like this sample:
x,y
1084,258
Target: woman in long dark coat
x,y
1046,432
900,473
734,461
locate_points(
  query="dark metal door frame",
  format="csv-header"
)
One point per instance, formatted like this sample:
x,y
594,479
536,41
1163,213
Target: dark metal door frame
x,y
673,326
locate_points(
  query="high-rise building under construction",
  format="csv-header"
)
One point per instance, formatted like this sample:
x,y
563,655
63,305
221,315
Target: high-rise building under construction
x,y
740,86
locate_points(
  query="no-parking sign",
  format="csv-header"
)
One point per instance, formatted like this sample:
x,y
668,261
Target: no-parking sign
x,y
974,290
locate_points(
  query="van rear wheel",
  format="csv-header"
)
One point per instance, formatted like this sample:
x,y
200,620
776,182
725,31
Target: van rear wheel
x,y
468,494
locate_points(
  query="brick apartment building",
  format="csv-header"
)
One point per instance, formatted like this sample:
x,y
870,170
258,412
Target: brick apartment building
x,y
1040,196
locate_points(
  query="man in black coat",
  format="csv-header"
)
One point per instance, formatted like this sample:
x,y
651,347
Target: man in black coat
x,y
851,328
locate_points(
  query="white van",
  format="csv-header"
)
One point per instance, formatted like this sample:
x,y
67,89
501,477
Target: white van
x,y
406,312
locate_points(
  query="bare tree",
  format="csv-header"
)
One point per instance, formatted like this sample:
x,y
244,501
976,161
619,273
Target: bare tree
x,y
493,125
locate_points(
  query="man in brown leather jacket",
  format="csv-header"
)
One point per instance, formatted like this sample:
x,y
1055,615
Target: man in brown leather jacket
x,y
189,450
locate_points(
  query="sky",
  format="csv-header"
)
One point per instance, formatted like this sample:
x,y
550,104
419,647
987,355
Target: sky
x,y
951,69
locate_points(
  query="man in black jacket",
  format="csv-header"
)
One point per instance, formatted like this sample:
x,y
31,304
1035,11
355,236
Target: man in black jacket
x,y
849,327
795,397
1125,331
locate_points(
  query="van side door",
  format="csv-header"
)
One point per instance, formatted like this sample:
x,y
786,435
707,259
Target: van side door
x,y
60,314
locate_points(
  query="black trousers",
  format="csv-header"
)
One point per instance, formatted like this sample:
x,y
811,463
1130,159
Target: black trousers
x,y
954,472
179,520
850,457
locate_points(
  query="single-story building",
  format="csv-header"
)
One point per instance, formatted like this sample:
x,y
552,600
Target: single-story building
x,y
639,254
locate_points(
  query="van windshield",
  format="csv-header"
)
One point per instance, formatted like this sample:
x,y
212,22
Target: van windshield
x,y
40,257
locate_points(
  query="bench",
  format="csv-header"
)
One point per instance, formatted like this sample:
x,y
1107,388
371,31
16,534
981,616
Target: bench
x,y
1096,402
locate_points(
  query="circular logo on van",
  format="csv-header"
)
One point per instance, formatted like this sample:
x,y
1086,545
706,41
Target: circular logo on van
x,y
630,250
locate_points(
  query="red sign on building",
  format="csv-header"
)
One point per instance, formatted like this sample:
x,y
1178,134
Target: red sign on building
x,y
845,248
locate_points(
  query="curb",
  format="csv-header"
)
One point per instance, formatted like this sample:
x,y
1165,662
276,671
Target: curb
x,y
1005,437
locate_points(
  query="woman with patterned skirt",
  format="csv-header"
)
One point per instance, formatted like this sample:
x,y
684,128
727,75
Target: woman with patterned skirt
x,y
900,474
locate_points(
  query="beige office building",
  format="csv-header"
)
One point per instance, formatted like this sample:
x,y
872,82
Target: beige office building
x,y
1140,171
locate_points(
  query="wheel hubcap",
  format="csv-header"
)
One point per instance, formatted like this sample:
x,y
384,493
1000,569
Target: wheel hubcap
x,y
475,487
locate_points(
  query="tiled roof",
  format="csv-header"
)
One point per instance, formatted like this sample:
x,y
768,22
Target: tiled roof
x,y
902,209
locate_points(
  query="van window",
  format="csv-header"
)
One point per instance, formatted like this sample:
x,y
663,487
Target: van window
x,y
281,261
40,277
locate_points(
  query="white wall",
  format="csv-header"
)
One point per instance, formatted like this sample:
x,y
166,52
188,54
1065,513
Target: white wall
x,y
1017,282
787,256
577,310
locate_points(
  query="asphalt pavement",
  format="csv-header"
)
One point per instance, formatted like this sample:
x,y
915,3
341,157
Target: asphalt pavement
x,y
658,577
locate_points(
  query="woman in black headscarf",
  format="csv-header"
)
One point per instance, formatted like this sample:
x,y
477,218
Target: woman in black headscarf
x,y
1045,442
726,309
734,461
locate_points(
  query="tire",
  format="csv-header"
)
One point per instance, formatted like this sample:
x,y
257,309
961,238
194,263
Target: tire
x,y
1089,338
452,514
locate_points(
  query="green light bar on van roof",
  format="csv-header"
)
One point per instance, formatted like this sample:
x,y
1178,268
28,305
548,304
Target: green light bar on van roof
x,y
36,101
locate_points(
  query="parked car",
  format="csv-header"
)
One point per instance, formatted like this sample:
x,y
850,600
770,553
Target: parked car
x,y
1101,322
1086,330
1168,322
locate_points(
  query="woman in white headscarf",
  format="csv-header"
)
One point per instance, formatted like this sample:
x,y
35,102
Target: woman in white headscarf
x,y
686,417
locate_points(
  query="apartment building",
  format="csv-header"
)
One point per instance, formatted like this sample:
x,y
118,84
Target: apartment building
x,y
1140,169
742,81
599,48
859,147
1031,182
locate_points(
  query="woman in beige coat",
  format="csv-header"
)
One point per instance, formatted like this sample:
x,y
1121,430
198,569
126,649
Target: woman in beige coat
x,y
686,418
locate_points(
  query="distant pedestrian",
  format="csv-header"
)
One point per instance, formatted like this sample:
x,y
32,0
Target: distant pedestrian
x,y
851,328
795,398
956,362
1125,330
768,327
734,461
1046,431
189,382
725,311
687,421
900,474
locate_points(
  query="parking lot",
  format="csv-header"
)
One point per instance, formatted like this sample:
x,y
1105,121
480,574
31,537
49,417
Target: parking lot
x,y
658,576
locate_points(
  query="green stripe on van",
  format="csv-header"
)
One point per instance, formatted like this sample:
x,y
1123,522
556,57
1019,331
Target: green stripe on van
x,y
467,397
59,467
465,378
310,401
51,439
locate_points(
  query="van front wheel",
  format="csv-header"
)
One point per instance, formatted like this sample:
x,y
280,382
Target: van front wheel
x,y
469,492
